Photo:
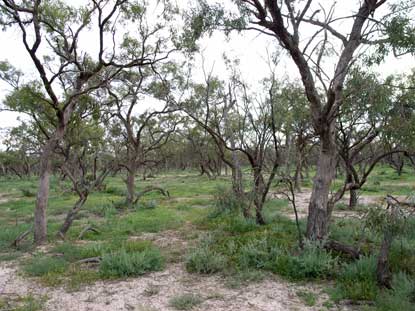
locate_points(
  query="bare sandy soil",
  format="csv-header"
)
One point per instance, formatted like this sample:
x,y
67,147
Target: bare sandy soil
x,y
154,291
303,198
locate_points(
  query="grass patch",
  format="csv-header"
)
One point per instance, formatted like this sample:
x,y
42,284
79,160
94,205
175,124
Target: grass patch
x,y
122,264
307,297
185,301
357,281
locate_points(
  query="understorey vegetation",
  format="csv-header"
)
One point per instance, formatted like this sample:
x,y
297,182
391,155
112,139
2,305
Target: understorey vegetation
x,y
136,152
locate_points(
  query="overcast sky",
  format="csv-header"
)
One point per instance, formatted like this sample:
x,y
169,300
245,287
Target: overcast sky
x,y
249,47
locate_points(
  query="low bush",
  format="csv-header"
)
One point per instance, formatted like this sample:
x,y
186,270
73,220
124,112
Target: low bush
x,y
205,261
123,264
185,301
312,263
226,202
357,280
258,254
40,266
400,297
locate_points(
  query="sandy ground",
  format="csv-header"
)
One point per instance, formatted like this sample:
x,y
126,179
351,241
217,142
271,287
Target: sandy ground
x,y
303,198
154,291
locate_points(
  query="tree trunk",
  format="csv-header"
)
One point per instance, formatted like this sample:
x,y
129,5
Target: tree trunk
x,y
40,220
298,169
319,211
383,273
353,199
132,169
70,217
259,188
352,192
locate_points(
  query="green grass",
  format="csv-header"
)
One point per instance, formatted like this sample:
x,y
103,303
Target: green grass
x,y
123,264
185,301
233,247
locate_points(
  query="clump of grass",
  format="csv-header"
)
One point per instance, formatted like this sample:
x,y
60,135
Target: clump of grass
x,y
313,262
30,303
400,297
239,224
244,277
123,264
40,266
185,301
307,297
258,254
226,202
203,260
28,193
357,281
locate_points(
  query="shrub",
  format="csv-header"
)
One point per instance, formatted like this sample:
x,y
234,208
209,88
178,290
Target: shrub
x,y
39,266
400,297
28,193
357,280
123,264
239,224
226,202
258,254
185,301
313,263
205,261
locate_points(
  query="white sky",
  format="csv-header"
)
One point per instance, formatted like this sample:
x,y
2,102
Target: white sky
x,y
249,47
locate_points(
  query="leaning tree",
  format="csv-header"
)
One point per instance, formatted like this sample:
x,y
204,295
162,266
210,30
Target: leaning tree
x,y
311,35
54,35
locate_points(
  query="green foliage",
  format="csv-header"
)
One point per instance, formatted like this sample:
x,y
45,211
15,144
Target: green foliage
x,y
258,254
40,266
226,202
400,297
313,262
123,264
185,301
357,280
309,298
203,260
28,193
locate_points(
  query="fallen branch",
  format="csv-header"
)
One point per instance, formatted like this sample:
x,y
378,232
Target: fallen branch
x,y
90,260
86,229
350,251
151,189
20,238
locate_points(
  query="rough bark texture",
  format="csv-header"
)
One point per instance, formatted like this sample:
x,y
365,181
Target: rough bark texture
x,y
318,211
70,217
383,273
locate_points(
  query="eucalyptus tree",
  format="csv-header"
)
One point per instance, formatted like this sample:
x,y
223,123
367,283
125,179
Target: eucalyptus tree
x,y
399,133
78,153
297,121
311,35
54,35
240,123
22,149
144,130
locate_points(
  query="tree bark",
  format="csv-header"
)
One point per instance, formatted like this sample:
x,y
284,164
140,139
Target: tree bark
x,y
383,273
132,168
70,217
319,210
40,218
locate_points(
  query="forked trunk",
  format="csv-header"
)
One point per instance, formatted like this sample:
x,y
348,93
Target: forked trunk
x,y
353,199
70,217
319,210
